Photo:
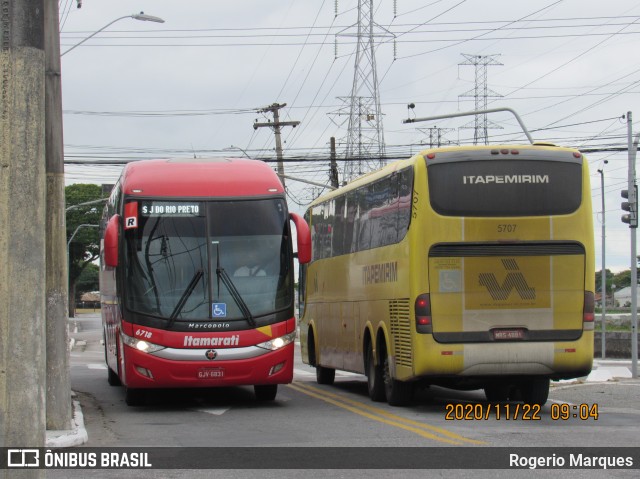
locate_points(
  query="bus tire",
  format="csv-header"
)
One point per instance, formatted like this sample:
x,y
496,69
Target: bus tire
x,y
134,397
535,390
325,375
375,379
399,393
265,392
112,377
497,392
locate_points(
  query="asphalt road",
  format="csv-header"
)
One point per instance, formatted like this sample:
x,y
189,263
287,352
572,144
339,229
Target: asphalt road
x,y
308,415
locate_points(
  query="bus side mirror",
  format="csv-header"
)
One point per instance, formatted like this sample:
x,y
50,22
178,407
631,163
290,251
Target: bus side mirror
x,y
304,238
111,241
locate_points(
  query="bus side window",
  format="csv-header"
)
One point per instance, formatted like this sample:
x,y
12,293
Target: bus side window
x,y
405,190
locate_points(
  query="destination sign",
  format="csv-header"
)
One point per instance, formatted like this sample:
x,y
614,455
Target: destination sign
x,y
171,208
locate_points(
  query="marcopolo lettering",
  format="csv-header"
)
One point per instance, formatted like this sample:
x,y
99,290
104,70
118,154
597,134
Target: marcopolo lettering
x,y
209,325
190,341
380,273
504,179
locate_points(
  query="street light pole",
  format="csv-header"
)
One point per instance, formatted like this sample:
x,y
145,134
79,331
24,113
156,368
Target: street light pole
x,y
72,307
232,147
603,280
74,234
136,16
86,203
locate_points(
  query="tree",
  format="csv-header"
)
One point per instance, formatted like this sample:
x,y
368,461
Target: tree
x,y
608,280
88,281
84,247
622,279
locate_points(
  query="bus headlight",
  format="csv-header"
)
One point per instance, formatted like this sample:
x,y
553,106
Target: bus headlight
x,y
140,345
277,343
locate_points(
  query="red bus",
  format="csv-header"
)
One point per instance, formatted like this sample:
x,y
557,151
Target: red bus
x,y
196,277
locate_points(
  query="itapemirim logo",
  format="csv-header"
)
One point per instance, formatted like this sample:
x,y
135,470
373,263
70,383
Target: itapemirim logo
x,y
514,280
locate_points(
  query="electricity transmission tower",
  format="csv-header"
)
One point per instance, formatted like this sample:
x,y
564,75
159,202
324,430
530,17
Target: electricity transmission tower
x,y
480,93
364,141
436,136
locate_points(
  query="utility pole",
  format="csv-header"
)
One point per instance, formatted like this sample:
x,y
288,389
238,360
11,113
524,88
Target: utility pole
x,y
333,168
632,220
58,381
275,108
22,216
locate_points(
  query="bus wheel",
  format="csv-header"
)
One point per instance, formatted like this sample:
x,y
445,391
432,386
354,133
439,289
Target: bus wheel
x,y
325,375
497,392
535,390
375,380
134,397
398,393
265,392
112,377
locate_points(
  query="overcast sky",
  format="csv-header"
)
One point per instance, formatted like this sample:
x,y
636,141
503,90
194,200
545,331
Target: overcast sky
x,y
193,85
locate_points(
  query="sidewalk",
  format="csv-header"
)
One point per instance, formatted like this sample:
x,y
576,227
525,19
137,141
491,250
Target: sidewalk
x,y
609,370
603,371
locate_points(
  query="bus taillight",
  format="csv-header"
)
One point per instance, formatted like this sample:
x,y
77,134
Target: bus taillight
x,y
423,314
588,315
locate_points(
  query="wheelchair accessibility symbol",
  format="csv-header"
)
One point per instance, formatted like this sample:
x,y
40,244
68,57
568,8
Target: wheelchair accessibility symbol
x,y
219,310
450,281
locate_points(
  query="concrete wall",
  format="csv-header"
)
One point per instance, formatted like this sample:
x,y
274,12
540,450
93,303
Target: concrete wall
x,y
618,345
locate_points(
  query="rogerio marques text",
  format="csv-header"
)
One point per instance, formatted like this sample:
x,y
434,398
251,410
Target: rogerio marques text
x,y
570,461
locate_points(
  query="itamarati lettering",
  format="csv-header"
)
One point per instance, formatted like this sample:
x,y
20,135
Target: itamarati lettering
x,y
380,273
500,179
190,341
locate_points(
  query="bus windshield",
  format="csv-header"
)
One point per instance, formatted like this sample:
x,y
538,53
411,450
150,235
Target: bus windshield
x,y
177,257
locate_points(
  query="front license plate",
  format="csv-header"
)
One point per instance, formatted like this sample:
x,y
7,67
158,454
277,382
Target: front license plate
x,y
508,334
210,373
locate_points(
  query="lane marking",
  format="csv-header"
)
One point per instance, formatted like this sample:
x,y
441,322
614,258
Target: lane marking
x,y
312,372
96,366
421,429
214,411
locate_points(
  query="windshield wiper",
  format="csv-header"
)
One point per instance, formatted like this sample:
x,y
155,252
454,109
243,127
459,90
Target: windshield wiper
x,y
185,296
235,294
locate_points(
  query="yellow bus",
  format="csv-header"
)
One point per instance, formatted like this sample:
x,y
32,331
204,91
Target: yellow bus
x,y
463,267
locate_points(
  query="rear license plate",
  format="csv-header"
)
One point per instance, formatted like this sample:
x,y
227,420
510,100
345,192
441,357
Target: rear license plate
x,y
508,334
210,373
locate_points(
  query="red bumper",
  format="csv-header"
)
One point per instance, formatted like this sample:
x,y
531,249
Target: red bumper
x,y
145,370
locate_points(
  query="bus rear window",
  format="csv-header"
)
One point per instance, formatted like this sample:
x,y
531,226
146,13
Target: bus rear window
x,y
505,187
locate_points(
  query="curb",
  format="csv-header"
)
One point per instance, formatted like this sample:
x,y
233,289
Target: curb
x,y
69,437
